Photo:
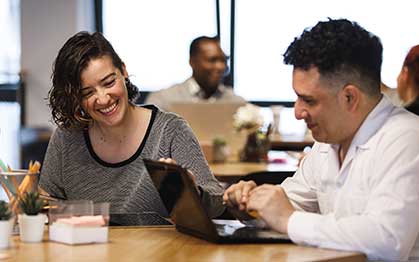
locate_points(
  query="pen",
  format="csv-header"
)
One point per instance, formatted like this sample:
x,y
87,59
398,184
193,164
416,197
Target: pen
x,y
254,214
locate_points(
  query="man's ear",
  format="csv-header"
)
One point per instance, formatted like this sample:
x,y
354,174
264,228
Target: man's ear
x,y
351,97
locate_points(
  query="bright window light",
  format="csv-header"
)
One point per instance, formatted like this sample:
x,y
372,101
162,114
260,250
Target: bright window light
x,y
10,43
264,29
153,37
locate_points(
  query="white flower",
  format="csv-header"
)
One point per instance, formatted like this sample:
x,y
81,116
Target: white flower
x,y
248,117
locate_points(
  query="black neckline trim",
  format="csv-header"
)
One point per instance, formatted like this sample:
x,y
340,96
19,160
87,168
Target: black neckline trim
x,y
136,154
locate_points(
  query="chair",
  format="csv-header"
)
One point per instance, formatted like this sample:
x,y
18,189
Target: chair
x,y
267,177
34,143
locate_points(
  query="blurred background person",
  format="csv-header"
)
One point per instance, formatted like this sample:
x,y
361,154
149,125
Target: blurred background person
x,y
408,81
209,65
407,91
392,94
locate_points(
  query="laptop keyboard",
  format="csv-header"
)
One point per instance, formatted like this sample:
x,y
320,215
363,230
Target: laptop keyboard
x,y
247,232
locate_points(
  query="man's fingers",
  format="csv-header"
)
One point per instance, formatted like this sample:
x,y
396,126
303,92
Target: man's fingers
x,y
229,197
237,194
247,187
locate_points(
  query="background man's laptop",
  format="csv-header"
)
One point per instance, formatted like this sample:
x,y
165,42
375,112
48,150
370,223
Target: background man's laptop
x,y
210,120
182,201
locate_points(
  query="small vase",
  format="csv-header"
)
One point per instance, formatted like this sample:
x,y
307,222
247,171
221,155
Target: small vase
x,y
31,227
256,148
6,227
220,153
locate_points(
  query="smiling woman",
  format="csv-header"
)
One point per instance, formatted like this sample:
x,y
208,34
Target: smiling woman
x,y
98,150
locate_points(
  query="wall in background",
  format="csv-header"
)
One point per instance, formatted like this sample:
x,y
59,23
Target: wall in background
x,y
45,26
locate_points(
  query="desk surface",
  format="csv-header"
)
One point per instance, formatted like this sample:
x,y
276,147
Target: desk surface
x,y
166,244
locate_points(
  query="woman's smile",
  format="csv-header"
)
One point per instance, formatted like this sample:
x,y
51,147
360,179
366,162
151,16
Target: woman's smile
x,y
110,109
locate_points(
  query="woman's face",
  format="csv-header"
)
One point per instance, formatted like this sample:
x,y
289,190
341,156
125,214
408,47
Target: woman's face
x,y
105,96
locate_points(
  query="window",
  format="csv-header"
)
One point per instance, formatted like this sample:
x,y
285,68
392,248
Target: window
x,y
153,37
263,31
9,79
10,42
155,46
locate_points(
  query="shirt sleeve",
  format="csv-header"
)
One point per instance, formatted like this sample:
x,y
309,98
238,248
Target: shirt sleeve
x,y
388,226
301,187
185,149
51,172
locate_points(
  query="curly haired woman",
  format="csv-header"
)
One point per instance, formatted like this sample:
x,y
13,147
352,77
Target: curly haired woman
x,y
97,151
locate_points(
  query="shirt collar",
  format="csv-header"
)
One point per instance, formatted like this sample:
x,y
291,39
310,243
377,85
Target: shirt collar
x,y
195,90
373,122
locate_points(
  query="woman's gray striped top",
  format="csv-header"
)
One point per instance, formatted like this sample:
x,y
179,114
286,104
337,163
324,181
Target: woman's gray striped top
x,y
71,169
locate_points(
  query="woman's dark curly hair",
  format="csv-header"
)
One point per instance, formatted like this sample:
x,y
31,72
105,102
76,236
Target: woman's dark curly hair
x,y
65,95
342,51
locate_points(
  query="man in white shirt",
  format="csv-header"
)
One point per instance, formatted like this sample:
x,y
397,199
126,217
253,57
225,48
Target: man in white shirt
x,y
208,63
358,188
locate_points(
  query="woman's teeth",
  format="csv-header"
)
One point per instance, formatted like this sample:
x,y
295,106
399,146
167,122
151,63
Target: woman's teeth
x,y
108,109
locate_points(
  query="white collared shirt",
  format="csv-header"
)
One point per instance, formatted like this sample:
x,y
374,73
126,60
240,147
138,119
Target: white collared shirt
x,y
370,203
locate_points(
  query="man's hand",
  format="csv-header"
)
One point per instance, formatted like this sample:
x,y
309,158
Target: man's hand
x,y
237,195
272,205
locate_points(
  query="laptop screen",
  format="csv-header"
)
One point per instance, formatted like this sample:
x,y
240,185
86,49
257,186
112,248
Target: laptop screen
x,y
212,120
180,197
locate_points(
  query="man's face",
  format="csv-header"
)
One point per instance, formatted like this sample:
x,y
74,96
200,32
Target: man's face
x,y
319,107
208,65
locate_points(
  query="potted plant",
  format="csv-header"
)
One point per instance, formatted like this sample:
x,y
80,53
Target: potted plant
x,y
220,150
250,119
31,222
6,224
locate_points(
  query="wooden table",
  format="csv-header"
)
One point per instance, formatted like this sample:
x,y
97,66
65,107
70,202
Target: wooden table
x,y
231,171
166,244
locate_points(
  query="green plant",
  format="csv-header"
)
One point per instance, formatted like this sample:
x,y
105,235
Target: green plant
x,y
219,141
5,213
31,204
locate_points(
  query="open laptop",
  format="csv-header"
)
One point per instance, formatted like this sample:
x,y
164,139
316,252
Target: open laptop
x,y
209,120
182,201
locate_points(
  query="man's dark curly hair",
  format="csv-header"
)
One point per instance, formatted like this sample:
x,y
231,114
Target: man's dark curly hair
x,y
65,95
342,51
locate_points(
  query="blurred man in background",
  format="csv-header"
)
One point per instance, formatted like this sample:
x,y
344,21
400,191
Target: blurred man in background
x,y
209,65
